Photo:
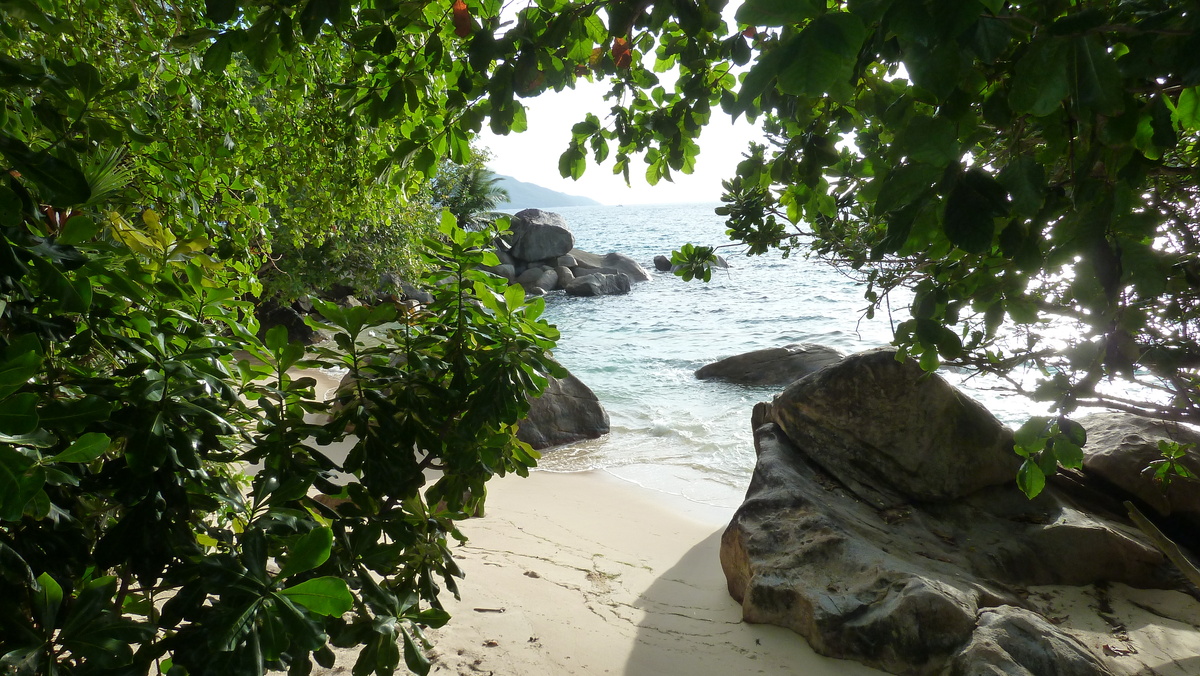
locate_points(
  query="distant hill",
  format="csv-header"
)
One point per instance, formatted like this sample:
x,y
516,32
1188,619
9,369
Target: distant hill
x,y
522,195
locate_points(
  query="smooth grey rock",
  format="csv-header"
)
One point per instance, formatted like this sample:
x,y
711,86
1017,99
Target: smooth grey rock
x,y
1119,450
548,281
599,285
900,589
537,235
772,366
566,262
565,276
529,277
610,261
504,270
1011,641
414,293
566,411
894,434
662,263
505,257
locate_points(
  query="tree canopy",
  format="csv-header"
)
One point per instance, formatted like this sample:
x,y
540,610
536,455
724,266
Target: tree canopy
x,y
1009,162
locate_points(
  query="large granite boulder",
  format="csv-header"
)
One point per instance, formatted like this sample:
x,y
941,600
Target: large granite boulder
x,y
1119,450
608,263
921,573
893,433
537,235
771,367
567,411
597,284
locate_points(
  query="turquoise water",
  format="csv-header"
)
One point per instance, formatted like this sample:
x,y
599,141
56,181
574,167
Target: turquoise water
x,y
638,352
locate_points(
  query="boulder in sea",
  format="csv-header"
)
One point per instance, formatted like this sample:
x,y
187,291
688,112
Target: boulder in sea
x,y
599,285
567,411
565,276
611,262
662,263
1119,451
771,367
850,539
537,235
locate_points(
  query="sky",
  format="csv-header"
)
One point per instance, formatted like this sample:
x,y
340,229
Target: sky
x,y
532,156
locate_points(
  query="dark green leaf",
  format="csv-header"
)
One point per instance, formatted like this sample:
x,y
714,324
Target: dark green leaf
x,y
777,12
47,600
20,480
74,414
1040,81
18,414
220,11
971,208
820,60
63,184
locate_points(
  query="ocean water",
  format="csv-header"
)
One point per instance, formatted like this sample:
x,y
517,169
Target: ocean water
x,y
638,352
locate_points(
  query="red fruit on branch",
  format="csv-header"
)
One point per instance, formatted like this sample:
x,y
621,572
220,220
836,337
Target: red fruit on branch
x,y
462,19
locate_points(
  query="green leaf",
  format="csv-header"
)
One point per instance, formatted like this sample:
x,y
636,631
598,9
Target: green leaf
x,y
219,11
323,595
217,56
18,414
1068,454
820,60
1187,109
971,208
1073,431
414,659
1030,478
74,414
1095,82
63,184
310,551
20,481
47,601
22,361
1040,80
928,140
85,449
71,297
777,12
1031,437
78,229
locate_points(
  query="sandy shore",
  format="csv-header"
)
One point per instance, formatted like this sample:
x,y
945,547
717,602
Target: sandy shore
x,y
586,574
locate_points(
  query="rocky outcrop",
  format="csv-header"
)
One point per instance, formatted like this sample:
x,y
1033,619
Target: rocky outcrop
x,y
567,411
893,434
599,284
771,367
609,263
539,255
1119,451
538,235
883,524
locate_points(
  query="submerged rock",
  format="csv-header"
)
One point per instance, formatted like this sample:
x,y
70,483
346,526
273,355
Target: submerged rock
x,y
598,284
772,366
609,263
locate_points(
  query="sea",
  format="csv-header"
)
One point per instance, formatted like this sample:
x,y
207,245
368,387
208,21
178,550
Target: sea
x,y
671,432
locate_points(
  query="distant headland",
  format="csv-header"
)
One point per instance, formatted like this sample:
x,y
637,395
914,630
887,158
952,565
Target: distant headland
x,y
522,195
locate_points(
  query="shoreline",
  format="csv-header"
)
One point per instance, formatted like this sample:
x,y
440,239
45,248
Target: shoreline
x,y
585,573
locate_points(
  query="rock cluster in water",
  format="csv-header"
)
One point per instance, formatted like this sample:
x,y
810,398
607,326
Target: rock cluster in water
x,y
883,524
540,255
